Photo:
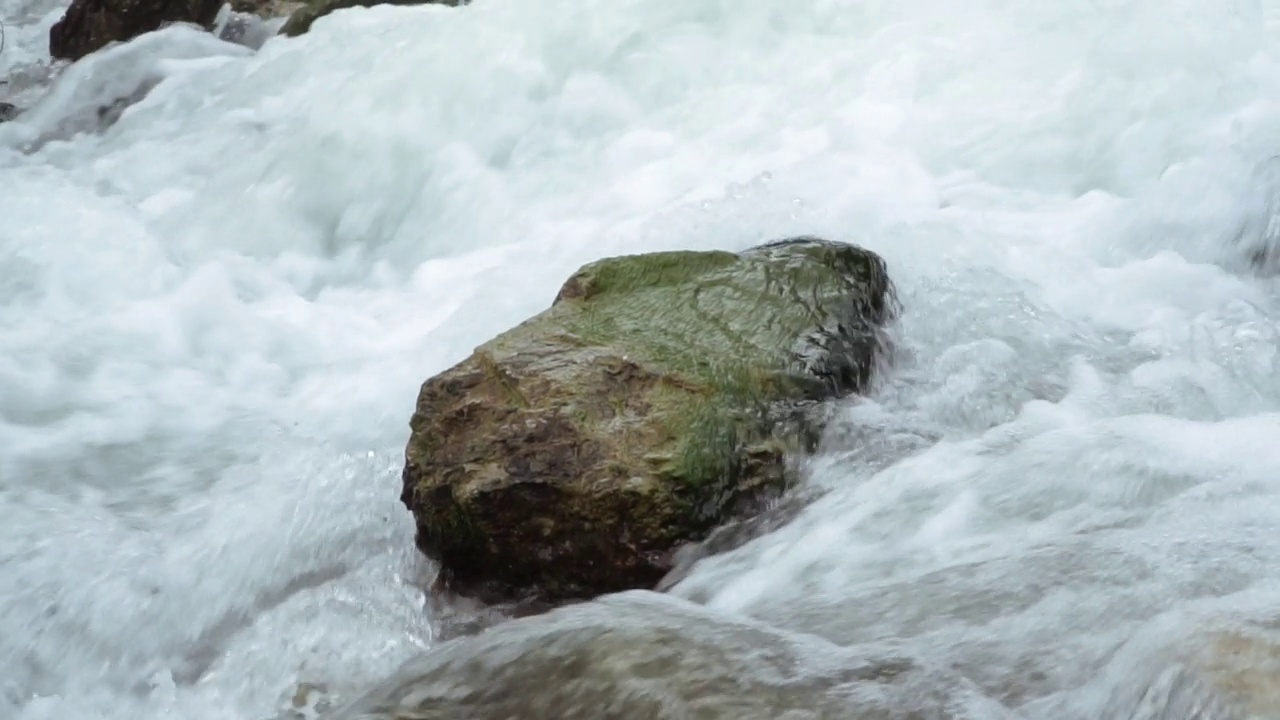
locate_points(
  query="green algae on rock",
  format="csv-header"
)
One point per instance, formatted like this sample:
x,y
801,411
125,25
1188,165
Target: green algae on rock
x,y
656,398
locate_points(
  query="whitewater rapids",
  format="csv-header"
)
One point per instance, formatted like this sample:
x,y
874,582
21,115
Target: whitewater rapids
x,y
215,313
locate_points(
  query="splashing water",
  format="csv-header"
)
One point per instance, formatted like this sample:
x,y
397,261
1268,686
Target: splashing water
x,y
217,301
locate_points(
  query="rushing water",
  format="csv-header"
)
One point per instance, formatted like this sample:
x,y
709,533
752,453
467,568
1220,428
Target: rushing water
x,y
215,313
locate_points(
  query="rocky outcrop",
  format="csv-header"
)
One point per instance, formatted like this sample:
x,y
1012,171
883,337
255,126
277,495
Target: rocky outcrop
x,y
643,656
300,21
90,25
658,397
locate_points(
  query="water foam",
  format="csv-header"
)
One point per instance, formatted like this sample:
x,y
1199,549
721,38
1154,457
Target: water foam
x,y
218,306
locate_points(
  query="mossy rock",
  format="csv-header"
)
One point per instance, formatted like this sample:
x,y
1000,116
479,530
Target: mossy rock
x,y
302,18
657,397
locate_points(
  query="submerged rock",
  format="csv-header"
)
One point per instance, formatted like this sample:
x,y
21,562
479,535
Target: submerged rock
x,y
643,656
1257,240
91,25
1266,259
267,9
1176,693
1242,665
657,397
253,22
300,21
8,111
91,95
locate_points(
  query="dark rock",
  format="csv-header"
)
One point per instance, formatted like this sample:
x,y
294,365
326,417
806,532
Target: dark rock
x,y
658,397
90,25
8,111
300,21
267,8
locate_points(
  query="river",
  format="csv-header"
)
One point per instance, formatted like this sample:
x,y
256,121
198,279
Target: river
x,y
216,311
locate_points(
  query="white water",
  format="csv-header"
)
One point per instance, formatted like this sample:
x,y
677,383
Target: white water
x,y
214,316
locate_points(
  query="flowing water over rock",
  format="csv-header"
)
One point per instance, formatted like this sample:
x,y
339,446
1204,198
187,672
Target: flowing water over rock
x,y
219,297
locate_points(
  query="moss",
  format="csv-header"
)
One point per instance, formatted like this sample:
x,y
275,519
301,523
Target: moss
x,y
708,450
499,377
719,328
450,522
689,311
619,276
712,427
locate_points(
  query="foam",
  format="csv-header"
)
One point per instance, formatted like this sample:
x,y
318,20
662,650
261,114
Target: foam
x,y
218,305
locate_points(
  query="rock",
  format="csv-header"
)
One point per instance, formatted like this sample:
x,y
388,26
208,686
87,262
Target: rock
x,y
1243,665
300,21
8,111
267,9
253,22
1209,673
90,25
109,113
656,398
644,656
1174,694
254,28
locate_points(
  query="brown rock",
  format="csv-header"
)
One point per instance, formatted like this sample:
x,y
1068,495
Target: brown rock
x,y
90,25
656,398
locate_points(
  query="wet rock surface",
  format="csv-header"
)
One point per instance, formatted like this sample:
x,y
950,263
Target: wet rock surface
x,y
641,656
90,25
660,396
300,21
